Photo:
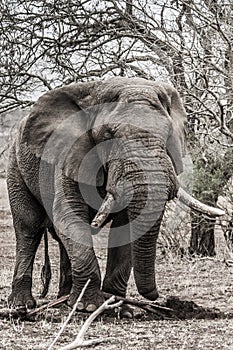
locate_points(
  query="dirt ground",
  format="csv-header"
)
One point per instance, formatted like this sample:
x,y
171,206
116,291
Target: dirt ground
x,y
207,282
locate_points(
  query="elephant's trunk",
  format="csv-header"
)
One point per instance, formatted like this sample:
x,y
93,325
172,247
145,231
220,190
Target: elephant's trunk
x,y
143,258
145,212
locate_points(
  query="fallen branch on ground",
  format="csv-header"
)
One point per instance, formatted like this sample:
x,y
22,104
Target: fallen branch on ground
x,y
147,306
44,307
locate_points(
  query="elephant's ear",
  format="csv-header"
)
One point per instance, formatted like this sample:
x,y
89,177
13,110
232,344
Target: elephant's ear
x,y
57,130
176,139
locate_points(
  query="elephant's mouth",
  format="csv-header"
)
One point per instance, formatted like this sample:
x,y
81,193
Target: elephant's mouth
x,y
182,195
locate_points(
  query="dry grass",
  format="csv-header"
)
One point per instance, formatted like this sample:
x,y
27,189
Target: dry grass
x,y
207,282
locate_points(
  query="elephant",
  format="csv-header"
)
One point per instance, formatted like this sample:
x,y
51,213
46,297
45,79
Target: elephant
x,y
91,153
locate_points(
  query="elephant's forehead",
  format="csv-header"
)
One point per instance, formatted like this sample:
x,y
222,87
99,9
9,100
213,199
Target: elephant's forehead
x,y
127,90
135,92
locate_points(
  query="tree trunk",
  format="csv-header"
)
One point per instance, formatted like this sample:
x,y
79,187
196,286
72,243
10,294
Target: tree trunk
x,y
202,241
210,181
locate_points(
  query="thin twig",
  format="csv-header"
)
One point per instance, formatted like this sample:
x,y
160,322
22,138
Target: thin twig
x,y
47,306
70,314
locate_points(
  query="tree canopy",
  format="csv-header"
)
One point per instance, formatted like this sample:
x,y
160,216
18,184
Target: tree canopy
x,y
45,44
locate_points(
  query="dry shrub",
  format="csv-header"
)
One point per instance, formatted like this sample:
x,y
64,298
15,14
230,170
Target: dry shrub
x,y
175,230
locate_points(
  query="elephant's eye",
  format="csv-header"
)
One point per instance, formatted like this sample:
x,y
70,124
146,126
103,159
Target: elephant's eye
x,y
102,134
107,134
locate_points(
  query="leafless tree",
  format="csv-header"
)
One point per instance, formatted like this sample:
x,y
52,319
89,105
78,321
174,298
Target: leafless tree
x,y
188,42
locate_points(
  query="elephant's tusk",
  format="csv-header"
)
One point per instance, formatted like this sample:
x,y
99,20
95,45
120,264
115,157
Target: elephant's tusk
x,y
104,211
195,204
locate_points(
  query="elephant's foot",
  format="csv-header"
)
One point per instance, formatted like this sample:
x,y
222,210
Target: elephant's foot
x,y
126,311
90,301
151,295
21,301
21,297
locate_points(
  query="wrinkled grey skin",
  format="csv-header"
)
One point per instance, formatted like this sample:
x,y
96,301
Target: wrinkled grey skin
x,y
159,108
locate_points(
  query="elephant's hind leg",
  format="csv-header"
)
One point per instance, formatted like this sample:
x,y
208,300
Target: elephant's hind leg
x,y
28,219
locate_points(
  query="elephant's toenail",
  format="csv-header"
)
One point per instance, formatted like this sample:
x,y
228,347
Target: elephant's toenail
x,y
91,308
126,314
80,306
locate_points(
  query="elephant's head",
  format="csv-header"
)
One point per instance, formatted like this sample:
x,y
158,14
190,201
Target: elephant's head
x,y
131,131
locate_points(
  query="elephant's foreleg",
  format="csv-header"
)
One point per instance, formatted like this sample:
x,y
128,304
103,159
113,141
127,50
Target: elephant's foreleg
x,y
28,219
71,221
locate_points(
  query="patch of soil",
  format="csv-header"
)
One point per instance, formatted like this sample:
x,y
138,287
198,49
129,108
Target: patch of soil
x,y
185,310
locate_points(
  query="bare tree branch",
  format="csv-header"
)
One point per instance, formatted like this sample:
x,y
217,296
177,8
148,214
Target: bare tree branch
x,y
79,341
